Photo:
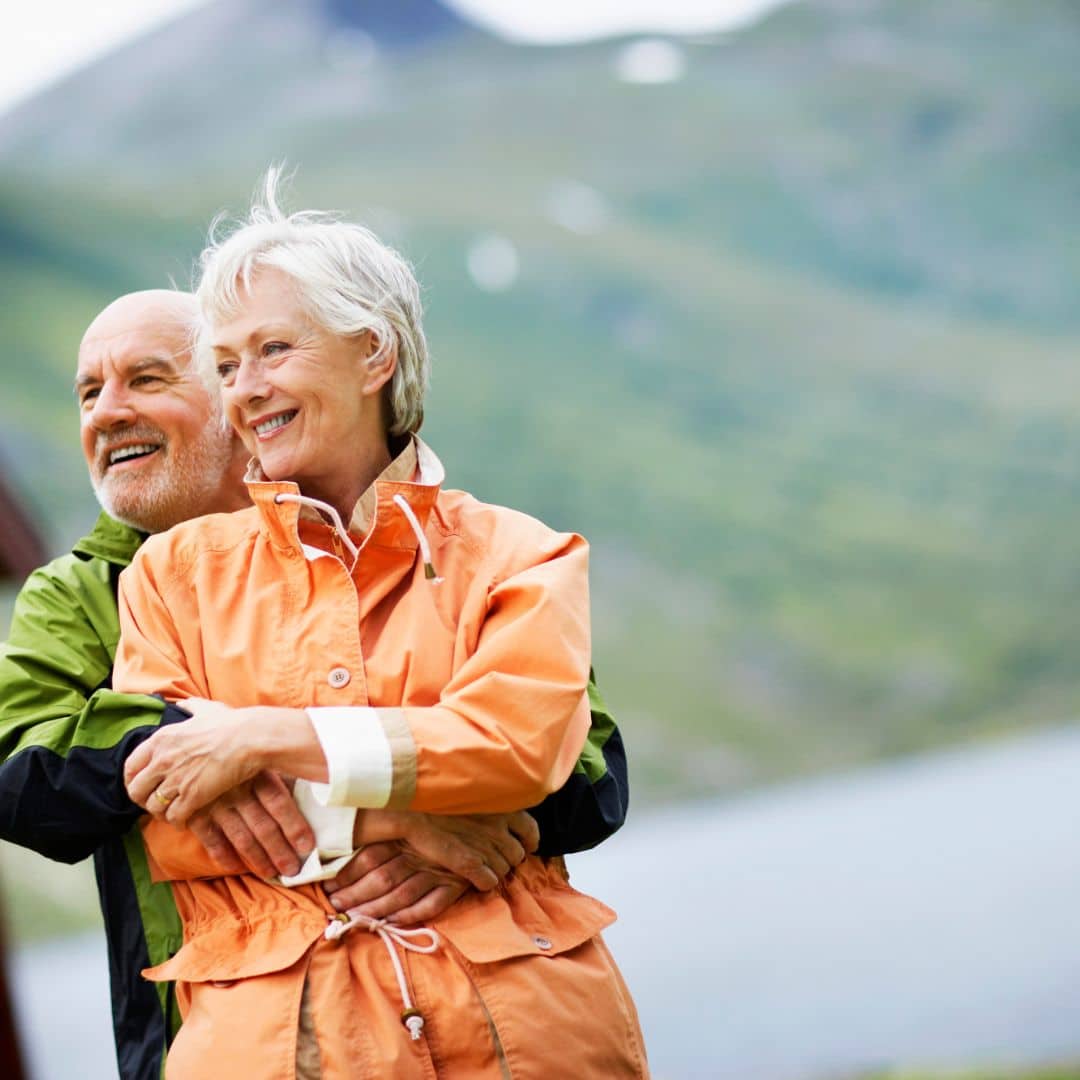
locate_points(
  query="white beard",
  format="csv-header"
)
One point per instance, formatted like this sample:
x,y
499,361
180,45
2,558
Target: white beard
x,y
185,483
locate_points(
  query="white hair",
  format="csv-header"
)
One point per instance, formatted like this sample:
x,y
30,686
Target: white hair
x,y
347,279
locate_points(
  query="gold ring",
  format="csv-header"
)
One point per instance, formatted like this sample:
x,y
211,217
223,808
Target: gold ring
x,y
163,799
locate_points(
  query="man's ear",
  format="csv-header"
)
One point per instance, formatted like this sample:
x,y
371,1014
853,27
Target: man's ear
x,y
379,360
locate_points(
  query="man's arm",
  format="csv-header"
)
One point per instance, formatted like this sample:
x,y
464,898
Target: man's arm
x,y
591,805
61,755
64,735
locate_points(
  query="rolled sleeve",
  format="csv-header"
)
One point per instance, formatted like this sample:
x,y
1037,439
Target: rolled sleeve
x,y
359,756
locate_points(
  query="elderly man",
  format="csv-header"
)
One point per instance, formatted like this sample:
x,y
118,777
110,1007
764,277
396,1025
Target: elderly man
x,y
158,454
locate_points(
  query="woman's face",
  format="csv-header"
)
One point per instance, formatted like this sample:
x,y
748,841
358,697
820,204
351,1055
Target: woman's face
x,y
299,396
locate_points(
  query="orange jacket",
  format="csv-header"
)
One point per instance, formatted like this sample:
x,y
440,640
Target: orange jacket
x,y
475,686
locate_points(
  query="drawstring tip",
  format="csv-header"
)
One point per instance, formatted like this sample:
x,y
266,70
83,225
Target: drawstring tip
x,y
414,1022
431,575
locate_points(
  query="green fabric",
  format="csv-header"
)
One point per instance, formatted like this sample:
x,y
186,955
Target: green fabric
x,y
110,540
64,633
161,921
591,763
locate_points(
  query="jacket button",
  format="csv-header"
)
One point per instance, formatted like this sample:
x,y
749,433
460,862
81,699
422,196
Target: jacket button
x,y
338,677
541,942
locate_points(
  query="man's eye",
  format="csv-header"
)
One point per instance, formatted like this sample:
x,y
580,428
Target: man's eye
x,y
88,397
145,380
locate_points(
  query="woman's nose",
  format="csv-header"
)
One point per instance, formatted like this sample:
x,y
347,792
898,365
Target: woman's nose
x,y
249,384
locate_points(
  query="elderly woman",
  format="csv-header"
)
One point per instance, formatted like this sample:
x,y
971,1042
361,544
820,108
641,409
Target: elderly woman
x,y
389,643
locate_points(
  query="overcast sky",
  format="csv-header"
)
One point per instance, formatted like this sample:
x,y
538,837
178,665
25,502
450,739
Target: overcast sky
x,y
43,40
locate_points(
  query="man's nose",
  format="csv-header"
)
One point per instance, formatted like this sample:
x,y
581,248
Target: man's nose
x,y
112,409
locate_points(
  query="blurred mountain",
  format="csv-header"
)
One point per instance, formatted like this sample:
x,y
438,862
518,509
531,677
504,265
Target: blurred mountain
x,y
786,321
217,73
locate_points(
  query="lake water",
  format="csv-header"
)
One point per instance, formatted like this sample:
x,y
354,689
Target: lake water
x,y
926,913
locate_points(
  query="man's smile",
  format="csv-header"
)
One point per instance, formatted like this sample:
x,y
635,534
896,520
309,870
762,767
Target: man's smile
x,y
129,454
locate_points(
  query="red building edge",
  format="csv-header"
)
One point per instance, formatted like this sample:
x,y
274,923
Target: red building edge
x,y
22,549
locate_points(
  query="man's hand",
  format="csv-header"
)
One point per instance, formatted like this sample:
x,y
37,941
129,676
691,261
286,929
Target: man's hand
x,y
414,866
482,848
385,881
255,827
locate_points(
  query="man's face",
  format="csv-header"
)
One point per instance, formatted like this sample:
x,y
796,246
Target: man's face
x,y
155,447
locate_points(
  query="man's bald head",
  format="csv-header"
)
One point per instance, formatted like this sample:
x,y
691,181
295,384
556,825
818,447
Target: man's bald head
x,y
153,439
169,310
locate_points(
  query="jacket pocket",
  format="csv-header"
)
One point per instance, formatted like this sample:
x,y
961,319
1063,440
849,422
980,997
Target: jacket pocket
x,y
535,914
227,950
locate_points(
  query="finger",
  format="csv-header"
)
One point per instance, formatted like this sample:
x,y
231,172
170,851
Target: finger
x,y
265,832
217,846
430,906
181,809
476,871
404,896
363,862
509,848
141,790
374,884
277,800
137,760
498,864
247,845
523,825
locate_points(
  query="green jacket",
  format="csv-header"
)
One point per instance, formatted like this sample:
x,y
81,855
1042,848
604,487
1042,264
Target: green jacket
x,y
64,737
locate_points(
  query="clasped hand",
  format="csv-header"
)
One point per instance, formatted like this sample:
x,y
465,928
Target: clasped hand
x,y
411,868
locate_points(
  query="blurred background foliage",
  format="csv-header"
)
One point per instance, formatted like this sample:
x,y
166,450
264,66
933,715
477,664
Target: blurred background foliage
x,y
784,320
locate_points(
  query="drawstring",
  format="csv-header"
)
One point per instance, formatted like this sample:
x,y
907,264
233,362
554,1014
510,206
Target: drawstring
x,y
326,508
400,501
391,935
421,539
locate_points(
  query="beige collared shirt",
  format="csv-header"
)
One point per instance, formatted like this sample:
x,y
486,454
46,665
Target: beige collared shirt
x,y
400,470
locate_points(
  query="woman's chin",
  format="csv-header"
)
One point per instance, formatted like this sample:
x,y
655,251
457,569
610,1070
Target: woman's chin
x,y
275,469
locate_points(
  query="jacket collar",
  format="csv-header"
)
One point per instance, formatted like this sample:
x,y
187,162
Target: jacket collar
x,y
389,527
110,540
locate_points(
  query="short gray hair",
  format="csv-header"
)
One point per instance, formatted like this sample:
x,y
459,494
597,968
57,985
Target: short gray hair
x,y
347,279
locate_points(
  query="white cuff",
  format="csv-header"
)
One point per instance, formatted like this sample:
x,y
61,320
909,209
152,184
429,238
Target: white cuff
x,y
314,869
333,828
358,756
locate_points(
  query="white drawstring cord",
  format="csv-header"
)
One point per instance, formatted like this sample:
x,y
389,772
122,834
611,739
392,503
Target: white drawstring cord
x,y
391,935
425,549
326,508
335,517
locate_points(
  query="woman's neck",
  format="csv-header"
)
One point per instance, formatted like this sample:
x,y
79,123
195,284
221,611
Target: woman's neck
x,y
343,492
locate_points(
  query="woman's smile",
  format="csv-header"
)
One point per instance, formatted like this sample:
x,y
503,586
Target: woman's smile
x,y
270,427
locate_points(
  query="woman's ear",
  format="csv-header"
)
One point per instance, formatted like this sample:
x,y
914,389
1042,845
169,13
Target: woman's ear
x,y
379,361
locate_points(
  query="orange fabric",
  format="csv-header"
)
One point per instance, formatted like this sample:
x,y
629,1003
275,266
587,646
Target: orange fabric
x,y
488,669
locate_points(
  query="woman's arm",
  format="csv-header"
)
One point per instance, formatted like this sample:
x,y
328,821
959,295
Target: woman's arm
x,y
506,732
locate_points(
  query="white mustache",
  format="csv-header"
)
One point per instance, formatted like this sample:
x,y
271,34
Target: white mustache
x,y
137,433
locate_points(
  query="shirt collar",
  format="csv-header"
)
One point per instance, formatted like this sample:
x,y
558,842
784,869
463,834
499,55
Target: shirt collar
x,y
415,473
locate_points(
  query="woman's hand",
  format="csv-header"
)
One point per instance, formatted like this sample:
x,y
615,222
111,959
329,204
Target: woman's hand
x,y
185,766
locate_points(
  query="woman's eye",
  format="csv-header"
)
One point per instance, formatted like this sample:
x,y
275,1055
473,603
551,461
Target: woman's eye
x,y
226,370
273,347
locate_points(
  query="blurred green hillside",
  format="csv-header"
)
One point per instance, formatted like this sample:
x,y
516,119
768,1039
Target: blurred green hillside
x,y
793,338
